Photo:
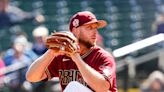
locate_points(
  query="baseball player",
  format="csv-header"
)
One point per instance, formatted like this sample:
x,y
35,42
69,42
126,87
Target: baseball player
x,y
74,57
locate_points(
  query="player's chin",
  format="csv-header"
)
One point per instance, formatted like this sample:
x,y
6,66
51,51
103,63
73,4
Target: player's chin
x,y
93,43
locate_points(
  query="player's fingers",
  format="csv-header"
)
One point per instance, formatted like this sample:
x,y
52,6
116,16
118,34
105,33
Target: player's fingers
x,y
65,34
59,39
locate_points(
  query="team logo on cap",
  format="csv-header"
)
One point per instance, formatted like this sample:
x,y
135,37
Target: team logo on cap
x,y
75,22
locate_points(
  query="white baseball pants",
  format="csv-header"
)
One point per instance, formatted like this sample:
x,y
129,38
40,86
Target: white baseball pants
x,y
75,86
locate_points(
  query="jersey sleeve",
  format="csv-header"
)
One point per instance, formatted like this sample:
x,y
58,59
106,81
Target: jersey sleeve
x,y
52,69
107,68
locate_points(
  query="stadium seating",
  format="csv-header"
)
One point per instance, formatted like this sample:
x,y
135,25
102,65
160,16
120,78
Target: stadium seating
x,y
125,17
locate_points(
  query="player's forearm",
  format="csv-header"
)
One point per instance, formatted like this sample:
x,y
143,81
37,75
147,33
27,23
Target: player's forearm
x,y
36,71
93,78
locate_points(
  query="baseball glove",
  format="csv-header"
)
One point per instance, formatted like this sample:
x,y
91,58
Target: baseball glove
x,y
62,42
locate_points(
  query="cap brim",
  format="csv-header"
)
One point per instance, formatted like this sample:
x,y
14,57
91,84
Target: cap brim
x,y
101,23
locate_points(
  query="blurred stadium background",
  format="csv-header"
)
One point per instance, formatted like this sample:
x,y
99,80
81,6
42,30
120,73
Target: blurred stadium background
x,y
129,21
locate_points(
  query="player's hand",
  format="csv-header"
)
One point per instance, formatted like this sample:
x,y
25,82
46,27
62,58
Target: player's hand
x,y
63,43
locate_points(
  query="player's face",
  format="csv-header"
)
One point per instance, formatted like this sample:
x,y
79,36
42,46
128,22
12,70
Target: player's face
x,y
88,34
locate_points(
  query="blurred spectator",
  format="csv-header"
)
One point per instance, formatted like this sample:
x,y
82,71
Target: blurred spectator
x,y
18,54
154,83
21,38
2,65
40,33
10,15
158,25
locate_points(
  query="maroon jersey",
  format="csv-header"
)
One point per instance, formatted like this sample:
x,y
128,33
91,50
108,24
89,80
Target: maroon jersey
x,y
67,71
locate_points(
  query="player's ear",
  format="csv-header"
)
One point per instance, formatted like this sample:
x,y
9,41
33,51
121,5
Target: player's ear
x,y
75,31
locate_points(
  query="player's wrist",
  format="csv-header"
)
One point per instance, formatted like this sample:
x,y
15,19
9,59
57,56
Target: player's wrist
x,y
75,56
51,52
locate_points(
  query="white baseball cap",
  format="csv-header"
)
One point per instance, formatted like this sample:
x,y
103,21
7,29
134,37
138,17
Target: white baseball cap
x,y
40,31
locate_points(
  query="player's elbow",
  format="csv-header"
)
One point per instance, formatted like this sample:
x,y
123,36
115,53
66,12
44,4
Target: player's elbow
x,y
31,78
104,87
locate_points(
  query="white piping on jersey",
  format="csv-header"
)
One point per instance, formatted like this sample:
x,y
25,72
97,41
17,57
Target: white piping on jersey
x,y
87,53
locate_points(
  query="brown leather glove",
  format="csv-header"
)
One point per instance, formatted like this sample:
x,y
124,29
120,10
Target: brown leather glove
x,y
63,42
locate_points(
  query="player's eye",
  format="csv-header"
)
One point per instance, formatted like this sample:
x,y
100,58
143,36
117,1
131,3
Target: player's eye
x,y
94,26
89,27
